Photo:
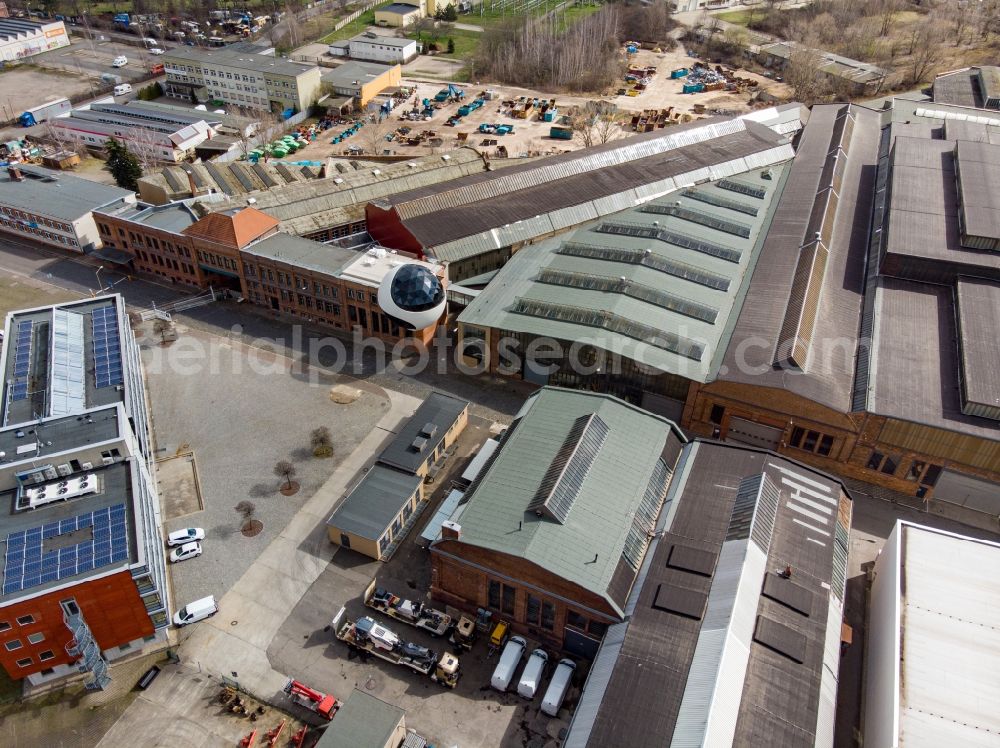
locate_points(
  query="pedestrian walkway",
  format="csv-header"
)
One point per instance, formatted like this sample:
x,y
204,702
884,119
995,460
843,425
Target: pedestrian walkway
x,y
234,642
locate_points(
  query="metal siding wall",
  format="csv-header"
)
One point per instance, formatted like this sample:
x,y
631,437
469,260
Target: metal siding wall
x,y
829,678
595,687
714,687
881,726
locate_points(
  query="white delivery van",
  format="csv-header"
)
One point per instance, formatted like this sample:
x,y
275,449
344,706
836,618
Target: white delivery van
x,y
196,611
558,687
119,62
531,678
509,660
123,88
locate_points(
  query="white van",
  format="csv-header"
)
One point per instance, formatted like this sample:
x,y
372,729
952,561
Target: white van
x,y
119,62
531,678
509,661
199,610
123,88
557,689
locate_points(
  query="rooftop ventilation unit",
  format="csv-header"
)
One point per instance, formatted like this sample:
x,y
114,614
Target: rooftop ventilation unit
x,y
428,430
419,444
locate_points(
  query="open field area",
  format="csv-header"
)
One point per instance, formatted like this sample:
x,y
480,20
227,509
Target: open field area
x,y
25,86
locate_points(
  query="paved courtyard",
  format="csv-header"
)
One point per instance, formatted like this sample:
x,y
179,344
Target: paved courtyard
x,y
240,412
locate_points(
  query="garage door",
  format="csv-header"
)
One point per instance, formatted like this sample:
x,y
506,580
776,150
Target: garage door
x,y
742,431
964,490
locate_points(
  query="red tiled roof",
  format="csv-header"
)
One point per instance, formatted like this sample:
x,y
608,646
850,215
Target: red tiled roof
x,y
234,230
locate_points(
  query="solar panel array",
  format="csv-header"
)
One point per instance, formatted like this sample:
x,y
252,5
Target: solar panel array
x,y
22,359
107,350
26,565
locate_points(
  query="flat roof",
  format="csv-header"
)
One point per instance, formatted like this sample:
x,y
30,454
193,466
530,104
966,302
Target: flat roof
x,y
979,188
370,267
69,535
85,369
56,194
52,436
387,41
355,73
960,88
363,721
375,502
328,259
978,308
235,58
678,265
626,451
653,680
915,363
402,8
950,626
436,414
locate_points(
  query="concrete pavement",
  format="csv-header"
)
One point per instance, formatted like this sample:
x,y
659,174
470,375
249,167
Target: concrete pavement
x,y
250,614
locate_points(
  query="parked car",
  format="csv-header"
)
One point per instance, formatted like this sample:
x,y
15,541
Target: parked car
x,y
155,51
119,62
184,552
180,537
198,610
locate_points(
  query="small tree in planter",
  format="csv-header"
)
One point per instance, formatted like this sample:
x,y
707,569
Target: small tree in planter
x,y
322,442
248,526
285,469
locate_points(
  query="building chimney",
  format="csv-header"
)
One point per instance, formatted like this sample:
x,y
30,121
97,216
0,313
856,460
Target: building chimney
x,y
451,530
16,175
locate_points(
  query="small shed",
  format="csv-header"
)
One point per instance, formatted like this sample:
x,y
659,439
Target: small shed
x,y
397,15
377,514
365,721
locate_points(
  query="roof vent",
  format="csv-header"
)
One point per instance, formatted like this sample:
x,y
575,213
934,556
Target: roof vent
x,y
376,172
419,444
251,201
411,164
446,157
428,430
338,180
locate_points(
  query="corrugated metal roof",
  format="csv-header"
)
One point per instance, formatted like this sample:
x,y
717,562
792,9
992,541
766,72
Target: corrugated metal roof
x,y
478,204
496,517
645,670
949,625
686,264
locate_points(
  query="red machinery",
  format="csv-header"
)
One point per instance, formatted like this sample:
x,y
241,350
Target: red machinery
x,y
324,705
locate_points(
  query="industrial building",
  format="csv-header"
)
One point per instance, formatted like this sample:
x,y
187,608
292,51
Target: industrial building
x,y
379,512
150,132
240,78
639,302
234,179
480,221
364,721
84,578
398,15
21,38
975,87
551,534
361,81
374,48
856,77
933,642
55,208
732,630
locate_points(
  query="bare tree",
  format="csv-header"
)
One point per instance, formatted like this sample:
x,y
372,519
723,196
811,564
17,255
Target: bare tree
x,y
246,510
887,10
285,469
161,327
925,48
321,441
146,147
374,132
804,74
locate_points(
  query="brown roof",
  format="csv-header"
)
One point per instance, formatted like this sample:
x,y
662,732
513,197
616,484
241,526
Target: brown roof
x,y
236,229
828,376
487,201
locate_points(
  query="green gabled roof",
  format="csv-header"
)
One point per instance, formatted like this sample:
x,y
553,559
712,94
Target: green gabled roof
x,y
601,514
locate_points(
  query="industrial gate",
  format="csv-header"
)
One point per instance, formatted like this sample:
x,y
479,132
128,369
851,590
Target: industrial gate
x,y
742,431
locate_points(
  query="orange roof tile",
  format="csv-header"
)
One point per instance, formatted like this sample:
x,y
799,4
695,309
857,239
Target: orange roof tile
x,y
236,229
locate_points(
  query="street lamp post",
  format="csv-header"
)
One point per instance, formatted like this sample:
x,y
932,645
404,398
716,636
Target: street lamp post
x,y
100,284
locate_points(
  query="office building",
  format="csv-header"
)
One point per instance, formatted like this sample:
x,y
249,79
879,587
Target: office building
x,y
84,577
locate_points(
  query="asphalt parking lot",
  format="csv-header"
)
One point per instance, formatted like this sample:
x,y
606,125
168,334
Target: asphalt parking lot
x,y
194,407
94,58
472,714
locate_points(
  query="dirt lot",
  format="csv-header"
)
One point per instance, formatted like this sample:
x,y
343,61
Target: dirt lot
x,y
531,136
25,86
